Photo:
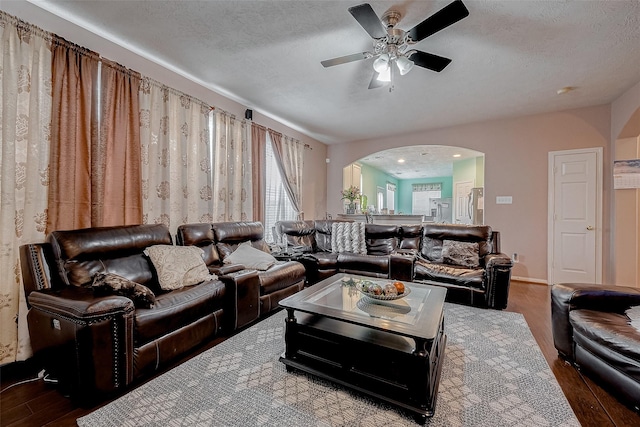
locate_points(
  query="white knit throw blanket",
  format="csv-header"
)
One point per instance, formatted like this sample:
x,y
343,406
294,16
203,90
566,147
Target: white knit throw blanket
x,y
348,237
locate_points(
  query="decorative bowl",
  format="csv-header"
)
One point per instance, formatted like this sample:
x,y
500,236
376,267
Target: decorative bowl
x,y
406,292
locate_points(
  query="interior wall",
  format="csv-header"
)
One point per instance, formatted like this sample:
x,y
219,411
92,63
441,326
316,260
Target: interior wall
x,y
515,163
314,182
625,136
404,193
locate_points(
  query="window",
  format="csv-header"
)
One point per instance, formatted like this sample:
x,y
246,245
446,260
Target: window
x,y
391,197
277,206
421,197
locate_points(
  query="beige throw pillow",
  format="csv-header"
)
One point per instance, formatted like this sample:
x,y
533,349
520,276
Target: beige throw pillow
x,y
178,266
250,257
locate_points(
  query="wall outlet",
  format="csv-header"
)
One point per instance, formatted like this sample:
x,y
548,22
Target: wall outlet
x,y
504,200
514,257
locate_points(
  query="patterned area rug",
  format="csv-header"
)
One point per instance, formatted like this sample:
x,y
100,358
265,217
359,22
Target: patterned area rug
x,y
494,374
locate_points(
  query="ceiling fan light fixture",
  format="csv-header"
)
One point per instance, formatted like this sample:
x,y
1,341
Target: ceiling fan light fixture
x,y
385,76
404,65
381,64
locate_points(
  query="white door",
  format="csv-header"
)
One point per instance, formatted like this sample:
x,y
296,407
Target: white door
x,y
462,190
575,205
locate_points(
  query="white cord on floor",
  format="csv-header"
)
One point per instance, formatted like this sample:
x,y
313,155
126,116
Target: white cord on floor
x,y
40,376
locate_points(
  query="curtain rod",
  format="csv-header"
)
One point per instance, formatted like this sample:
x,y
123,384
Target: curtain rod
x,y
297,141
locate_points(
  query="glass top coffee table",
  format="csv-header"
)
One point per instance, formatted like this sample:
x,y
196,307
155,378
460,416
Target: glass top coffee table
x,y
389,349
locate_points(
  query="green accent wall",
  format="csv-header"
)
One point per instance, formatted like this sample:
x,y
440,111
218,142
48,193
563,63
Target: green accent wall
x,y
373,178
404,192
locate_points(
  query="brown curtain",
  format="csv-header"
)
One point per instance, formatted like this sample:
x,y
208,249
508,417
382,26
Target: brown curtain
x,y
116,177
290,167
258,153
73,133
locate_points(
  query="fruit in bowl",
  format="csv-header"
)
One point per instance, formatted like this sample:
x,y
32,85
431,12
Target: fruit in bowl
x,y
399,287
390,289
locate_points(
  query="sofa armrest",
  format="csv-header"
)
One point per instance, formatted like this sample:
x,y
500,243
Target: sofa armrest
x,y
498,269
243,301
226,269
571,296
401,265
83,340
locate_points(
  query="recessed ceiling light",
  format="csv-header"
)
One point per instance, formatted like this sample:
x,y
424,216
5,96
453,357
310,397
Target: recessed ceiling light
x,y
457,155
400,160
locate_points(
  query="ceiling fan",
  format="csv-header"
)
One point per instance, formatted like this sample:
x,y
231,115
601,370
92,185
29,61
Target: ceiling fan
x,y
392,45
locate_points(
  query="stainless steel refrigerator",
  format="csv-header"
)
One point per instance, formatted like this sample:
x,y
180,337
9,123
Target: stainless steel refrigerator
x,y
476,206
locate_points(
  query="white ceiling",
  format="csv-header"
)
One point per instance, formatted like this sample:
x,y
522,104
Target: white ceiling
x,y
419,161
508,58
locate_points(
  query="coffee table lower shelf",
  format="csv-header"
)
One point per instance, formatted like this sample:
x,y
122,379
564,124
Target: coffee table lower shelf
x,y
377,363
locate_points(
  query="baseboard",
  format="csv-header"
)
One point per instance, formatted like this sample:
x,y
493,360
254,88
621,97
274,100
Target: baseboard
x,y
529,280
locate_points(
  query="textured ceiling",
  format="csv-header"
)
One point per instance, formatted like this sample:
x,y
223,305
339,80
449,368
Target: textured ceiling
x,y
419,161
509,58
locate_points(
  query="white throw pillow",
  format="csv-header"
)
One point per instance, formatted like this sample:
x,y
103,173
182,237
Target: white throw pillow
x,y
634,315
178,266
250,257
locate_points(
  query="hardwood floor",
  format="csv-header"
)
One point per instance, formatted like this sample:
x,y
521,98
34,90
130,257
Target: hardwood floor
x,y
39,404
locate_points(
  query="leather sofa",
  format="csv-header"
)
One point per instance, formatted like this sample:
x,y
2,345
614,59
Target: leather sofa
x,y
96,344
591,331
219,240
409,253
483,285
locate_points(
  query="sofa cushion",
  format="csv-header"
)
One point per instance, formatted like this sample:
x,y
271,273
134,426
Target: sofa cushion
x,y
250,257
112,284
280,276
178,266
80,254
411,237
464,254
176,309
200,235
299,234
435,234
374,264
471,277
610,337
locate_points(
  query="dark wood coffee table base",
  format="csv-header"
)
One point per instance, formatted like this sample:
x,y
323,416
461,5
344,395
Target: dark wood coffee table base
x,y
381,364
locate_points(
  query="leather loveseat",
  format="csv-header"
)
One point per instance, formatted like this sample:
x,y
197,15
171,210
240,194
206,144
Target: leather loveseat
x,y
591,331
410,253
219,240
96,344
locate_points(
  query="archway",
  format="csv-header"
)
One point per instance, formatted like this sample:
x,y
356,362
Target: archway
x,y
421,180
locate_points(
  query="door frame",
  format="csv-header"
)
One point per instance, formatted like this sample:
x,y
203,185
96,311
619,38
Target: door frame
x,y
598,151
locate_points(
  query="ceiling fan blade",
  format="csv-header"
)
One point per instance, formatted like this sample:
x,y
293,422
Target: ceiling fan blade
x,y
446,16
429,60
368,19
344,59
375,83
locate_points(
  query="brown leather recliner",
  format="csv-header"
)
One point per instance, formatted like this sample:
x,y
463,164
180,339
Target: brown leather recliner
x,y
97,344
590,330
219,240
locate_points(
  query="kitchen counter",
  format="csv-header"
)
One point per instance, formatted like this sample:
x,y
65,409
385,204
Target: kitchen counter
x,y
383,219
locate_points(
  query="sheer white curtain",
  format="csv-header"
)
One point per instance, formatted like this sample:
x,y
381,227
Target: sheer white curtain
x,y
176,163
232,183
25,111
289,155
277,205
